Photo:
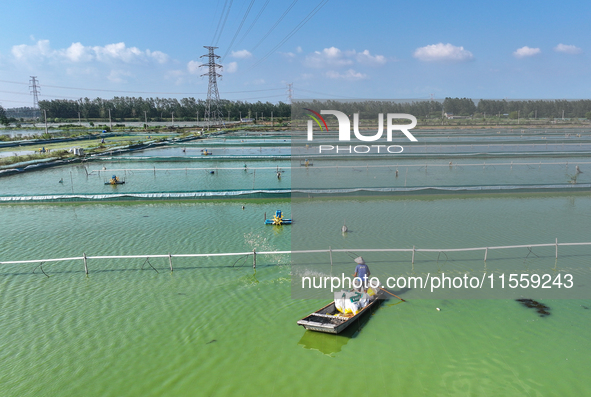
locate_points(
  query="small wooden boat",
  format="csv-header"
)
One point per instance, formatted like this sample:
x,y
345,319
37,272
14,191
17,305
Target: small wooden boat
x,y
330,320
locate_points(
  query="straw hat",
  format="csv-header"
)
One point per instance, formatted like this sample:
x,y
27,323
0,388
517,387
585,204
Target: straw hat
x,y
359,260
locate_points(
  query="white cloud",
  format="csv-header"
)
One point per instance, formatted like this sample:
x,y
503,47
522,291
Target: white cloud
x,y
329,57
158,56
443,52
299,50
349,75
27,53
242,54
78,53
525,52
84,71
178,76
117,51
232,67
193,67
367,58
567,49
117,76
334,58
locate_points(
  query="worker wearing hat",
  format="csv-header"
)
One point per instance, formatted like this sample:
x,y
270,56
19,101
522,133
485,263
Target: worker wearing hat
x,y
362,272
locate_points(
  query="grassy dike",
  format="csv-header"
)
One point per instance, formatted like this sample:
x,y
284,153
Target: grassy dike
x,y
94,144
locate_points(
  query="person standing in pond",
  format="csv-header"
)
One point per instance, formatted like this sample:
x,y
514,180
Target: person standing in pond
x,y
362,273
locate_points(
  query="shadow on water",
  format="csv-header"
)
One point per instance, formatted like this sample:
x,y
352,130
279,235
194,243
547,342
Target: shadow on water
x,y
330,344
542,309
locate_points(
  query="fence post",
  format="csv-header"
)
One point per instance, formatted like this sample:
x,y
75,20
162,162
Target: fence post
x,y
485,253
413,254
254,258
85,267
556,247
330,254
170,261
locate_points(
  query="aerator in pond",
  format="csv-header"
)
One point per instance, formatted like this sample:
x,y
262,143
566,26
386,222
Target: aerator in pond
x,y
115,181
278,219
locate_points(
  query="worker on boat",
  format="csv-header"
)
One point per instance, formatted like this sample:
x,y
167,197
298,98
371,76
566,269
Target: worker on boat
x,y
362,273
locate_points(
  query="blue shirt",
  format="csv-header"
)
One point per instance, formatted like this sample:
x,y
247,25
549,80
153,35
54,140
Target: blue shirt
x,y
362,271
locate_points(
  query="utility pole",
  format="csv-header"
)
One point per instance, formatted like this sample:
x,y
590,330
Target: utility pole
x,y
146,118
172,115
79,122
110,123
289,91
35,91
212,109
271,119
45,113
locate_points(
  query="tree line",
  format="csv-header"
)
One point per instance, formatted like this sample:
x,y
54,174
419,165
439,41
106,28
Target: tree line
x,y
189,109
556,108
458,107
140,109
3,119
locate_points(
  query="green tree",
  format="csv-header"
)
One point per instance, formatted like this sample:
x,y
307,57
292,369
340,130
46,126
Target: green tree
x,y
3,119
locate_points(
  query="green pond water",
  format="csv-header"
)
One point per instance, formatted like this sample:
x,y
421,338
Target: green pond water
x,y
217,327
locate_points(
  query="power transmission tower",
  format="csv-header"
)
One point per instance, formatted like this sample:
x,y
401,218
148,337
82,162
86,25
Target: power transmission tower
x,y
35,91
212,109
289,91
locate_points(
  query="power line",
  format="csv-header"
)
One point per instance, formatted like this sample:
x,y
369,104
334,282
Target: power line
x,y
13,82
275,25
220,21
323,93
224,24
290,34
268,96
11,101
238,30
253,22
15,93
140,92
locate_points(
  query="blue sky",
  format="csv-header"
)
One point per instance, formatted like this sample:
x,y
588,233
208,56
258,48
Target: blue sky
x,y
348,49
